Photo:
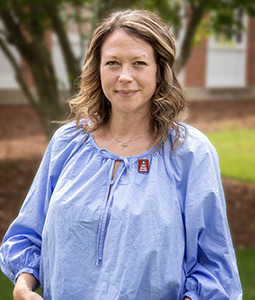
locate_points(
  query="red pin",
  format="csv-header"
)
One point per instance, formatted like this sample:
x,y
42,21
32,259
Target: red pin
x,y
143,165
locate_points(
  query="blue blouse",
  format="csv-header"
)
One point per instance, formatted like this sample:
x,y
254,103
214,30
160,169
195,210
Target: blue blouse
x,y
156,236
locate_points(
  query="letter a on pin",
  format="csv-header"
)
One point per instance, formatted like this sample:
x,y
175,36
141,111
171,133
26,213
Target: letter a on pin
x,y
143,165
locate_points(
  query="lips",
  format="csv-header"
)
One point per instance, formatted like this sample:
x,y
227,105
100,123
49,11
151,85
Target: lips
x,y
126,93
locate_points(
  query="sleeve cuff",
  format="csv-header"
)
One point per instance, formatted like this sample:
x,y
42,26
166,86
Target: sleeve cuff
x,y
191,295
27,270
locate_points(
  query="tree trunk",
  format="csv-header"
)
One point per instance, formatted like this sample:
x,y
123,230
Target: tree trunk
x,y
51,107
72,63
196,15
46,99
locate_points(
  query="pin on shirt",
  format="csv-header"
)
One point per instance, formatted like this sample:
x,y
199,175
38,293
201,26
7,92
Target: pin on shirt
x,y
143,165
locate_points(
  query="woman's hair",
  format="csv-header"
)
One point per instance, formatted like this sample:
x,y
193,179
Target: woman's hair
x,y
168,101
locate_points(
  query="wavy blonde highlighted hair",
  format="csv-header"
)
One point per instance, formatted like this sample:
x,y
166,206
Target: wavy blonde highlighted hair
x,y
168,100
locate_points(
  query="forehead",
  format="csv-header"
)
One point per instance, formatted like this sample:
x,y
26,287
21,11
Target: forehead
x,y
119,41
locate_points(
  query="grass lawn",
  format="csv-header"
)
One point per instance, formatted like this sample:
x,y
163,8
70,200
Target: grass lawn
x,y
245,260
236,149
6,287
246,263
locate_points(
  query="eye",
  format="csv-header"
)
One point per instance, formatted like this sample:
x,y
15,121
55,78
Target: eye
x,y
140,63
112,63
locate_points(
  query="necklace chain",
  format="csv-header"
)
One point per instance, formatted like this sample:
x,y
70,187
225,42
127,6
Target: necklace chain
x,y
125,144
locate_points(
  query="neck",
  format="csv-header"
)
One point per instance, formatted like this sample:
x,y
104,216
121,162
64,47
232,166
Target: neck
x,y
128,127
125,136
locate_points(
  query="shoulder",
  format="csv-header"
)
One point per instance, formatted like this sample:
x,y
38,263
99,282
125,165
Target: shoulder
x,y
68,132
195,160
195,148
66,138
194,141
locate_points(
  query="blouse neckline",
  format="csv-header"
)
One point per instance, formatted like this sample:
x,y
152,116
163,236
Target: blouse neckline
x,y
110,154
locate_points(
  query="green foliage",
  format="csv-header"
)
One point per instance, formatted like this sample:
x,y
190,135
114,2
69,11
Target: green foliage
x,y
168,10
224,15
236,150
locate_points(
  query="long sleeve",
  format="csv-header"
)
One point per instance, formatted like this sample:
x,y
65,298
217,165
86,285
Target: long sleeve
x,y
21,247
211,269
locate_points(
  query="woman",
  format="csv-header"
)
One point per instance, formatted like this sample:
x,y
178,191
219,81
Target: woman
x,y
127,203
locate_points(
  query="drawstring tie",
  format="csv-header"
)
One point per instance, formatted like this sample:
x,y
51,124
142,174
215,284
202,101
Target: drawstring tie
x,y
105,216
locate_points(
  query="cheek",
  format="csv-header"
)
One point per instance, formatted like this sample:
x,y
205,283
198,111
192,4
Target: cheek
x,y
104,82
107,79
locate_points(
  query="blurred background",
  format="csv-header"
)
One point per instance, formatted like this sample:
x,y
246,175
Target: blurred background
x,y
42,48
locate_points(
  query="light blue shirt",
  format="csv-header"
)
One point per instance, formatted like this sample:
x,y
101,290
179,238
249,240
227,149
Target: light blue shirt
x,y
142,236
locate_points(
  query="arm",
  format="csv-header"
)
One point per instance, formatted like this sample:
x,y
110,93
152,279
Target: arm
x,y
210,263
24,287
20,251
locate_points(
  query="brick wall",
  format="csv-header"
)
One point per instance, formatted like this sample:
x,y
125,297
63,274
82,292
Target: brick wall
x,y
250,69
195,71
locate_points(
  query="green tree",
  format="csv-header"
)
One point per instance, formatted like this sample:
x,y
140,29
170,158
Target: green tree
x,y
26,23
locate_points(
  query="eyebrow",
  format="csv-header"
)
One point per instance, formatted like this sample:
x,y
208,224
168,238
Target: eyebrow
x,y
140,57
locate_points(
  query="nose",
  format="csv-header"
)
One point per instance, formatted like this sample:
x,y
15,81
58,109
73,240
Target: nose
x,y
125,74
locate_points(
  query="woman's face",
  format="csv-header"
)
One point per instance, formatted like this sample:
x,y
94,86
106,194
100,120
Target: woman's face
x,y
128,73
